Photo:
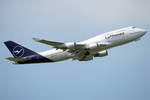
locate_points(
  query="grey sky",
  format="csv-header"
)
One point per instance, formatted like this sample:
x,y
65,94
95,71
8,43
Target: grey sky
x,y
99,9
123,75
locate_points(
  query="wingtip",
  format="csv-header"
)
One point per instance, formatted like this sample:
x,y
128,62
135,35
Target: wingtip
x,y
7,58
35,39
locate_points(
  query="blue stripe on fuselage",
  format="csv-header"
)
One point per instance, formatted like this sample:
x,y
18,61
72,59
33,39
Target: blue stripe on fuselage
x,y
35,59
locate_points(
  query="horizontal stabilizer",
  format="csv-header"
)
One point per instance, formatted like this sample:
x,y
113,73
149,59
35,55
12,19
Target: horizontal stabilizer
x,y
17,59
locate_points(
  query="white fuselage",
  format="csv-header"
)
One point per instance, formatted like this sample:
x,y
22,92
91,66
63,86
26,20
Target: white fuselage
x,y
109,40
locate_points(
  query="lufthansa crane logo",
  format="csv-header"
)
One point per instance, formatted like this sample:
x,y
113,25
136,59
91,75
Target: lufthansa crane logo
x,y
18,51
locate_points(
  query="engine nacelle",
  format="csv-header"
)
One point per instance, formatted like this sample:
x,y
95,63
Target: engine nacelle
x,y
101,53
70,45
93,46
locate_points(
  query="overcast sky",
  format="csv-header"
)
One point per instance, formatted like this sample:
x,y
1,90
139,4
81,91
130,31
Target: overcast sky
x,y
122,75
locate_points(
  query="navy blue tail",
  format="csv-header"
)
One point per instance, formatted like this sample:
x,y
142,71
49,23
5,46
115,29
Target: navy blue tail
x,y
18,50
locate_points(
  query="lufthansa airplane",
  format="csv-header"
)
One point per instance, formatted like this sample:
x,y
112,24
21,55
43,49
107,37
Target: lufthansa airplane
x,y
83,51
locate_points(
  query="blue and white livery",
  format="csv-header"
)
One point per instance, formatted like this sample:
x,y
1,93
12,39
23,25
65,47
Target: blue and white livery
x,y
82,51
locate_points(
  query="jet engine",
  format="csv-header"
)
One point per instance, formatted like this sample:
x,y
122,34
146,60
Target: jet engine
x,y
101,53
70,45
93,46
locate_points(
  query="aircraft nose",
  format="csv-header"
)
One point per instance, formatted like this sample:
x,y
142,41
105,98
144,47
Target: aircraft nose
x,y
143,32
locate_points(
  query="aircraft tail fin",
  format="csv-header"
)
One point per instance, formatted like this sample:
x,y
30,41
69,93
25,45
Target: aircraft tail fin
x,y
17,50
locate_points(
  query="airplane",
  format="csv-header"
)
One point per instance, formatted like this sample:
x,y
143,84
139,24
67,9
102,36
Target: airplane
x,y
82,51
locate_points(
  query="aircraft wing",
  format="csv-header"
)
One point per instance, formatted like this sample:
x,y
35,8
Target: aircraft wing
x,y
79,50
52,43
60,45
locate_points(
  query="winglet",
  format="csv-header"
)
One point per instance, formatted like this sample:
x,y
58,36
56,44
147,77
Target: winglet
x,y
35,39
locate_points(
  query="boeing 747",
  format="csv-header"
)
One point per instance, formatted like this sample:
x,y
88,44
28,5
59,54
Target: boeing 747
x,y
83,51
